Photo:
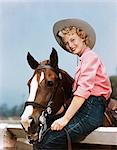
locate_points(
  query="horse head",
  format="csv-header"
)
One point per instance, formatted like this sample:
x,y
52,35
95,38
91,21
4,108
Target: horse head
x,y
49,88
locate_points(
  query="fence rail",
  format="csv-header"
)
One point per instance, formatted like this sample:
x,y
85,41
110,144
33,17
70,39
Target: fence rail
x,y
13,136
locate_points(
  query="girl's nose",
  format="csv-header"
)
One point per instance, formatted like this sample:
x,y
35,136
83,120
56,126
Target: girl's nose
x,y
70,44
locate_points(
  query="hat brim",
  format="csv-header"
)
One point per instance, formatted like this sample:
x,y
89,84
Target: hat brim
x,y
78,23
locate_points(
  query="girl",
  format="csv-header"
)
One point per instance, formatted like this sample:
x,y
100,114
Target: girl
x,y
91,88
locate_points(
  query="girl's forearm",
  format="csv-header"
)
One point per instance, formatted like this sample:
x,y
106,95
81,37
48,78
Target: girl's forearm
x,y
74,107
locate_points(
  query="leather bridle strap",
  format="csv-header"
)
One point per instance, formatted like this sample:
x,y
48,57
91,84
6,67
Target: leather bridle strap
x,y
37,105
54,92
34,104
68,139
48,67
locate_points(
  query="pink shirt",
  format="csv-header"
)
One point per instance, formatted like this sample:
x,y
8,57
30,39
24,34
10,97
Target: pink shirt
x,y
90,77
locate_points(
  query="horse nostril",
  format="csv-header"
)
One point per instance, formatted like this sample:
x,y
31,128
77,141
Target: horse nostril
x,y
25,123
29,136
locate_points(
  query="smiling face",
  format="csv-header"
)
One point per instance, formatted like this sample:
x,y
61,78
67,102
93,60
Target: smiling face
x,y
74,43
74,40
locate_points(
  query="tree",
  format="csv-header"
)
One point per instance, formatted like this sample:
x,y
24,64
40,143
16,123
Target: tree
x,y
4,111
113,80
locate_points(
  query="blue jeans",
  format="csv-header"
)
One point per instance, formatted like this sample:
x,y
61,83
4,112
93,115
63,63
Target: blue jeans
x,y
87,119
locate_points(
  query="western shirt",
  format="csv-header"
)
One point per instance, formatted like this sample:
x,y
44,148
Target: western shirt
x,y
91,77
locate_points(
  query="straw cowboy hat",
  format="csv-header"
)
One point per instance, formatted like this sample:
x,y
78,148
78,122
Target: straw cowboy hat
x,y
58,26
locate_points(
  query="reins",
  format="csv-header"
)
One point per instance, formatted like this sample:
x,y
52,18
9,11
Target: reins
x,y
69,144
68,140
37,105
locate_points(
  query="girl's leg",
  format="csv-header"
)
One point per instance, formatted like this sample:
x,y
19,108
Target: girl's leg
x,y
53,140
87,119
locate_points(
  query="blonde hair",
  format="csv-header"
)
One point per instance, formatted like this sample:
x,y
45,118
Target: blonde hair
x,y
72,29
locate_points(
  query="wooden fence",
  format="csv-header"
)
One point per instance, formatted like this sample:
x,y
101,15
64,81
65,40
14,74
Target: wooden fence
x,y
12,137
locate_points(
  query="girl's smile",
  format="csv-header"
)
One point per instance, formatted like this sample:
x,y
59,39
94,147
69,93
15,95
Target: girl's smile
x,y
74,43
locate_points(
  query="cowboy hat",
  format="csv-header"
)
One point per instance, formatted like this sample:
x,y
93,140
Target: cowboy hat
x,y
58,26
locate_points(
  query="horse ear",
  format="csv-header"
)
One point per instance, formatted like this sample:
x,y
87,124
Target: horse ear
x,y
31,61
54,58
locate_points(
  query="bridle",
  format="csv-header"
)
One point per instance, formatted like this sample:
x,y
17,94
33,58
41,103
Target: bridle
x,y
37,105
47,110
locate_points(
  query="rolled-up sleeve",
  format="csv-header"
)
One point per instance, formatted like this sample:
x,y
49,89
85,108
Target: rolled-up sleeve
x,y
86,80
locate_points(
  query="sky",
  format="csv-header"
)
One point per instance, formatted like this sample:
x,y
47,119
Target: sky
x,y
27,25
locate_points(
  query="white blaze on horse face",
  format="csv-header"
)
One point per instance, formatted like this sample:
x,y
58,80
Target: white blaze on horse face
x,y
41,77
25,121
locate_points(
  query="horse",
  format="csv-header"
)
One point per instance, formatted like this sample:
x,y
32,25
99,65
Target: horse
x,y
50,88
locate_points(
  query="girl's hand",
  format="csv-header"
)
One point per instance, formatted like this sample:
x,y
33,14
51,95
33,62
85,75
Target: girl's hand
x,y
59,124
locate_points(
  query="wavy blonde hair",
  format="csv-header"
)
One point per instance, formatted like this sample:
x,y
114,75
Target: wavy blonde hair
x,y
72,29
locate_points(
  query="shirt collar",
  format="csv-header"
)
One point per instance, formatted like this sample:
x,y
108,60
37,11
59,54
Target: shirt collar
x,y
85,51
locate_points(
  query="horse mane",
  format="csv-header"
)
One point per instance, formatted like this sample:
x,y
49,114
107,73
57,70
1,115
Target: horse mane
x,y
67,83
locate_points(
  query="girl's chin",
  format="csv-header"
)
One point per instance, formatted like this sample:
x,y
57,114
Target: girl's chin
x,y
75,52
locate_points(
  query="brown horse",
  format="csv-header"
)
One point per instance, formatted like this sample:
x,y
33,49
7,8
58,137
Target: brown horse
x,y
49,88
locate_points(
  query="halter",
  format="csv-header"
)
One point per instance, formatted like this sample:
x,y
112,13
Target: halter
x,y
50,101
37,105
47,109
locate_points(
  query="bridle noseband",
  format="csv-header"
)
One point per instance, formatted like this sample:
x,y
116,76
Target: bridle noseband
x,y
47,110
37,105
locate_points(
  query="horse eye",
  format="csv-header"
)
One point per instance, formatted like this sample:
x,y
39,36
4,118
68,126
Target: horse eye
x,y
50,83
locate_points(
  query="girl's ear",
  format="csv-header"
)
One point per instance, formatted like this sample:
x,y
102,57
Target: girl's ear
x,y
54,59
31,61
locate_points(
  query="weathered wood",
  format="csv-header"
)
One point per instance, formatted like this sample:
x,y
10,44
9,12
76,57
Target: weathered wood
x,y
21,145
7,139
12,137
79,146
102,135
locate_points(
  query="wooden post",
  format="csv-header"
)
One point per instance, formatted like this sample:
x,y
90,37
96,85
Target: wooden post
x,y
7,140
12,138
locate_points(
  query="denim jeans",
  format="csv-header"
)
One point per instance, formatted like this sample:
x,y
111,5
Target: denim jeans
x,y
87,119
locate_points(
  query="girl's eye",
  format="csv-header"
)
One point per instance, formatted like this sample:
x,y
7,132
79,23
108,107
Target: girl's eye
x,y
65,43
72,40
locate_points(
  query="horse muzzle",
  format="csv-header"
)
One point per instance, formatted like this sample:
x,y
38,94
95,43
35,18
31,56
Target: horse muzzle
x,y
31,129
33,138
25,124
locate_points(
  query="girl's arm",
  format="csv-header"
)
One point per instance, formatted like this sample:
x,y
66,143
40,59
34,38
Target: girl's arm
x,y
76,103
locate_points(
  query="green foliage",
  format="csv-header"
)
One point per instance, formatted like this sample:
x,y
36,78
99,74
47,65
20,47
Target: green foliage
x,y
113,80
4,111
15,111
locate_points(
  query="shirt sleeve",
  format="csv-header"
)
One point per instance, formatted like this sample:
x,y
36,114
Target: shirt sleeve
x,y
86,81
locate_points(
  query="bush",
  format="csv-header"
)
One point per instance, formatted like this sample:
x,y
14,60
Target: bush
x,y
113,80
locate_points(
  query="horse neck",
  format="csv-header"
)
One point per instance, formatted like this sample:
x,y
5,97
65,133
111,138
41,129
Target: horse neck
x,y
67,82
